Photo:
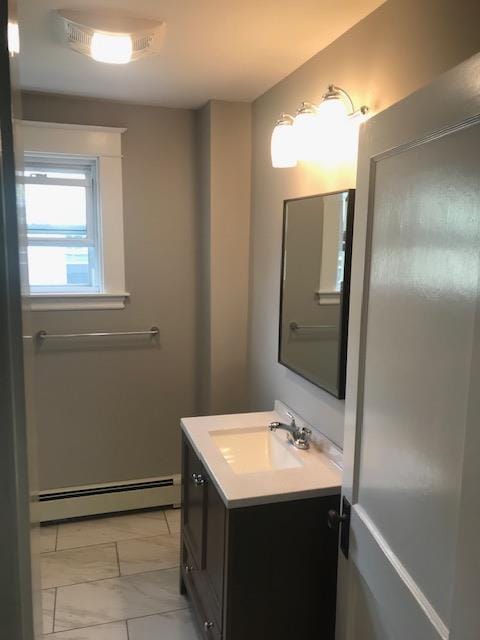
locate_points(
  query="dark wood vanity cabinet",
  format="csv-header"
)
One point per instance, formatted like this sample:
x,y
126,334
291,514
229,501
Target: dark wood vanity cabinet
x,y
262,572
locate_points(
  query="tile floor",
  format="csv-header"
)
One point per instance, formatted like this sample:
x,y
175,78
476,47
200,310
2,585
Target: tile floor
x,y
114,578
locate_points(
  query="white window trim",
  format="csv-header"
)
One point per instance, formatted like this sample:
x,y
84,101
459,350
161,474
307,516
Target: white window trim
x,y
105,144
76,301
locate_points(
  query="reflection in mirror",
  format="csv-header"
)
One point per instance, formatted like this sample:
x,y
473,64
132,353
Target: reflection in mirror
x,y
317,235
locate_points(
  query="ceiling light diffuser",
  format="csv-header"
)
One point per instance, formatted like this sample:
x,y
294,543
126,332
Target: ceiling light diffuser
x,y
111,48
110,37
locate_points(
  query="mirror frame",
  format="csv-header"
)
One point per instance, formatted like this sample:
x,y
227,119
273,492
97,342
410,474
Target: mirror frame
x,y
345,295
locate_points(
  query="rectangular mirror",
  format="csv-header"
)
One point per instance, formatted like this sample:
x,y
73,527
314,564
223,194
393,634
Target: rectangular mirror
x,y
315,287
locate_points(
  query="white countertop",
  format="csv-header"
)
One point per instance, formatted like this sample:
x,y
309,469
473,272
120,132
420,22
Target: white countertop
x,y
318,475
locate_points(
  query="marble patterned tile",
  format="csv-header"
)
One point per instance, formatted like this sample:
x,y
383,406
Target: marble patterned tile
x,y
173,518
48,538
153,513
177,625
149,554
48,609
84,564
112,631
134,596
111,529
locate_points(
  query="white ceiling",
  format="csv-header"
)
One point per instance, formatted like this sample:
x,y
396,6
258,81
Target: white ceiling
x,y
224,49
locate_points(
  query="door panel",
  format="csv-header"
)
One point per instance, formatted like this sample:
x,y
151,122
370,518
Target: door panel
x,y
215,543
410,379
421,307
369,617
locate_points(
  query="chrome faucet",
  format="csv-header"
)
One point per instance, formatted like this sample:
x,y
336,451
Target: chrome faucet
x,y
299,436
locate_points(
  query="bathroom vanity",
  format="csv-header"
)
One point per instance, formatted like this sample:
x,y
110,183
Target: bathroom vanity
x,y
258,559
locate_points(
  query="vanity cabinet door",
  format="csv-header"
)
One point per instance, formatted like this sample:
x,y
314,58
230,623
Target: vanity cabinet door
x,y
194,503
215,546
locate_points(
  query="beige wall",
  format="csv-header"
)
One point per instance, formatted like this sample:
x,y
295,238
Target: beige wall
x,y
225,156
112,413
400,47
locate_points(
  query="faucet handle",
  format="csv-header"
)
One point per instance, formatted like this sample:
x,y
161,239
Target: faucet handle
x,y
292,418
302,440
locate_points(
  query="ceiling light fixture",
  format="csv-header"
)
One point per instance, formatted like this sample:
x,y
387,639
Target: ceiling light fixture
x,y
110,37
315,129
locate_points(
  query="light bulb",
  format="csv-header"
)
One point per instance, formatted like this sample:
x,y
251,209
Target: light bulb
x,y
283,147
111,48
306,129
336,132
332,112
13,37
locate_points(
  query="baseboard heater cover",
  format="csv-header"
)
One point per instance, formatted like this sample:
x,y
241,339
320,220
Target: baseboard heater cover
x,y
74,502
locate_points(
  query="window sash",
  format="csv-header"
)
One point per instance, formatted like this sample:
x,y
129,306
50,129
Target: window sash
x,y
72,287
67,182
43,164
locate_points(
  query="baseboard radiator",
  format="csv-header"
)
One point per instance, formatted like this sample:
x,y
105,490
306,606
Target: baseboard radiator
x,y
77,502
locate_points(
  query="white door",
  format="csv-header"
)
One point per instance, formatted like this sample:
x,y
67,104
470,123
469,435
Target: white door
x,y
412,448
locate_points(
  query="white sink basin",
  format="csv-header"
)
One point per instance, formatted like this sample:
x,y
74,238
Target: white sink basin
x,y
254,449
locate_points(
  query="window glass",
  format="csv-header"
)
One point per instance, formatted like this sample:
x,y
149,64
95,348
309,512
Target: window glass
x,y
56,210
62,224
60,266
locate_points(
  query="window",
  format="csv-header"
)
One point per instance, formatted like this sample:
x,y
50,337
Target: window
x,y
62,224
72,183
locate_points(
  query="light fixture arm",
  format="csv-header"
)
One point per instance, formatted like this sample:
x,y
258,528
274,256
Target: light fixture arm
x,y
285,118
334,92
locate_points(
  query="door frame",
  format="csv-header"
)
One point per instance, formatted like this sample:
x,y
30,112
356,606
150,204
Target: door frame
x,y
16,602
458,93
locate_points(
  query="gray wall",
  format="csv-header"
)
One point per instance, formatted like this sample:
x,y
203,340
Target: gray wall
x,y
401,46
203,160
108,414
224,156
112,414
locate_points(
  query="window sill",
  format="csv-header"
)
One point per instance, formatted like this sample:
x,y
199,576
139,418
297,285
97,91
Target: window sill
x,y
76,301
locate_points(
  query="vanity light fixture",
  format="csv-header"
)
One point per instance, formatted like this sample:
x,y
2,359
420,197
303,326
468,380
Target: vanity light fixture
x,y
110,37
314,129
335,98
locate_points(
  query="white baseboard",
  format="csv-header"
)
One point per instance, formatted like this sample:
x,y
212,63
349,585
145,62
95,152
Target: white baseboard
x,y
75,502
